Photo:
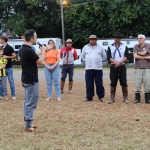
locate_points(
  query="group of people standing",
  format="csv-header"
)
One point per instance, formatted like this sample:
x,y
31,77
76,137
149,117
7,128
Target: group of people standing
x,y
29,59
92,53
50,58
51,62
117,55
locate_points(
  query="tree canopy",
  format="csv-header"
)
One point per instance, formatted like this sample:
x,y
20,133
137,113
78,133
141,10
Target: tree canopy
x,y
81,17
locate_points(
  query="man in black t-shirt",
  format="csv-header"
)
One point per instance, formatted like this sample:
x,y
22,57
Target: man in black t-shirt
x,y
29,60
8,54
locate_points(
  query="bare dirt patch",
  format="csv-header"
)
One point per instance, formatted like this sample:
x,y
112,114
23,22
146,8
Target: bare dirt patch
x,y
74,124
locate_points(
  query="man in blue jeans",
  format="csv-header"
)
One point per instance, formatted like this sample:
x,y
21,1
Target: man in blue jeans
x,y
29,60
8,54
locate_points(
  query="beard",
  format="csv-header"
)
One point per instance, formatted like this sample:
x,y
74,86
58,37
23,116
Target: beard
x,y
34,43
93,43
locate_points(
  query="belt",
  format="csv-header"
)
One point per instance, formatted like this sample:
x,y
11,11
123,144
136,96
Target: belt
x,y
67,64
112,64
119,66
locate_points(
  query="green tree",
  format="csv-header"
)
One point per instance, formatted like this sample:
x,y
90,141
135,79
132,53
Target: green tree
x,y
81,17
104,17
42,15
130,18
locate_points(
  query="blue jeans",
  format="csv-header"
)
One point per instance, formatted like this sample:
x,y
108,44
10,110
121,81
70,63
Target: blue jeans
x,y
3,85
9,72
52,75
31,92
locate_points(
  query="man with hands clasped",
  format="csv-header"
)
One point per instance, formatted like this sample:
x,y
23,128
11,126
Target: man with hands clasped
x,y
117,55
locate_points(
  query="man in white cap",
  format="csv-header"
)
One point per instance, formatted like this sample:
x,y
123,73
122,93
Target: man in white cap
x,y
68,55
93,54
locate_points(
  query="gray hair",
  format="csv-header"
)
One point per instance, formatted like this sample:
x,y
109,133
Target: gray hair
x,y
141,36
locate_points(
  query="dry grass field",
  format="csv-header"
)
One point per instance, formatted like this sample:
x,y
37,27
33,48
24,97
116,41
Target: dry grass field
x,y
74,124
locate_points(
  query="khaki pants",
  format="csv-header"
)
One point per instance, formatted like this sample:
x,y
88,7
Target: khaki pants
x,y
142,76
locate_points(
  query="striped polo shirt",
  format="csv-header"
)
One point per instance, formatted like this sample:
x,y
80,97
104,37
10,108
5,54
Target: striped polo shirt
x,y
2,62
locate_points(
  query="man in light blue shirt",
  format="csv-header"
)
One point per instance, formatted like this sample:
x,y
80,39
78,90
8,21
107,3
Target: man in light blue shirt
x,y
93,54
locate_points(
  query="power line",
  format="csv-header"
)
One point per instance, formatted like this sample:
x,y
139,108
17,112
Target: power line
x,y
84,3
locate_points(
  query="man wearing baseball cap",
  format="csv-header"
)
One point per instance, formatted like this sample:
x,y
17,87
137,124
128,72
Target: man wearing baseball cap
x,y
68,55
117,55
93,54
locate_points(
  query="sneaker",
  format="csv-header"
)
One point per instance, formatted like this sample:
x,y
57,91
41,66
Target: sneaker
x,y
70,91
136,101
48,99
59,99
29,130
13,98
126,101
1,97
112,100
6,98
101,100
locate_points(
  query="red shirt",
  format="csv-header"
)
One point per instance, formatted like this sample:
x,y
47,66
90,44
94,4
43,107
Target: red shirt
x,y
68,55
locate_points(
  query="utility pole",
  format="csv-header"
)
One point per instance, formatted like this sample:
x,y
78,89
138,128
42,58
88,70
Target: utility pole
x,y
64,3
62,22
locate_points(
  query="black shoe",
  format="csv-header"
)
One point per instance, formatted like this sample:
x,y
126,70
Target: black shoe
x,y
136,101
147,101
88,100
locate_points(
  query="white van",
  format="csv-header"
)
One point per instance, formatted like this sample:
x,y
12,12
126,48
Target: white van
x,y
129,42
17,43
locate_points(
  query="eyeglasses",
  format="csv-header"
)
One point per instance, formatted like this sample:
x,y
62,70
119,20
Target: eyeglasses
x,y
139,38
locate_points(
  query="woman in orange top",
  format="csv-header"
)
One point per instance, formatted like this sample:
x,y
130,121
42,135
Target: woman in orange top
x,y
51,69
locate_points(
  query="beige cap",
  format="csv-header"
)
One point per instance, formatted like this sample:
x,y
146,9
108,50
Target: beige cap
x,y
69,41
92,37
